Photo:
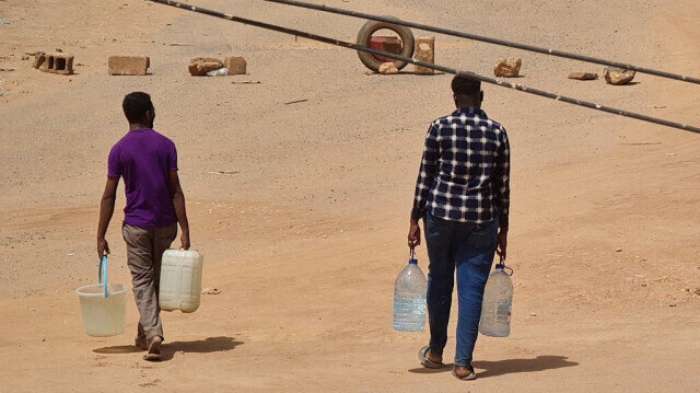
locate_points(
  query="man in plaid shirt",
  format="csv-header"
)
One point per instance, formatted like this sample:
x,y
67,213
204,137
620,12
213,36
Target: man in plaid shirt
x,y
462,194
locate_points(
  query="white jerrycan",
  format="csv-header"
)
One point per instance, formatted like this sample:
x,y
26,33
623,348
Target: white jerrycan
x,y
498,303
181,280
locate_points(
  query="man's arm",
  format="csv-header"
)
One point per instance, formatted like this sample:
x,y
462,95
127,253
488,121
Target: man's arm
x,y
502,183
109,196
180,210
425,181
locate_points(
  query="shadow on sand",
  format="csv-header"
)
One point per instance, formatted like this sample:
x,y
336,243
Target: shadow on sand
x,y
168,350
509,366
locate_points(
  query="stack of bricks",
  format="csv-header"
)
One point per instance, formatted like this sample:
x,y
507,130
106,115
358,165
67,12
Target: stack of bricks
x,y
57,63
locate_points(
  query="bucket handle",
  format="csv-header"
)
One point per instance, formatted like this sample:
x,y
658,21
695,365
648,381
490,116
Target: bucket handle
x,y
102,275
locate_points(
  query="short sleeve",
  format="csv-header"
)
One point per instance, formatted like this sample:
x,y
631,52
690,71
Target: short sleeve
x,y
114,164
172,158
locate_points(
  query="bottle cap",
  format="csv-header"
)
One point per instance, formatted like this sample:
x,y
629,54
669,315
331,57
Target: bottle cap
x,y
413,261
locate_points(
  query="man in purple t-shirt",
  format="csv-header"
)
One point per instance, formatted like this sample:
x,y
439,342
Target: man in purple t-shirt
x,y
155,203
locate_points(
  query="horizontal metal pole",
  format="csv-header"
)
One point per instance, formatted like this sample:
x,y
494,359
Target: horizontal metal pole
x,y
437,67
490,40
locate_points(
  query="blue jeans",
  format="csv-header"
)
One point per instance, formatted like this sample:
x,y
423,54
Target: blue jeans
x,y
470,248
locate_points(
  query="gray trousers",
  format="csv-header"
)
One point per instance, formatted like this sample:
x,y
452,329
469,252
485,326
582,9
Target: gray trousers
x,y
145,249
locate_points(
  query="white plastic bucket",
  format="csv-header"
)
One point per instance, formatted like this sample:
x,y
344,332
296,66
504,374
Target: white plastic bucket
x,y
103,316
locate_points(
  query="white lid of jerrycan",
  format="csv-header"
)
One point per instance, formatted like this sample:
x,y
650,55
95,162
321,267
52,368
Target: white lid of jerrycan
x,y
181,280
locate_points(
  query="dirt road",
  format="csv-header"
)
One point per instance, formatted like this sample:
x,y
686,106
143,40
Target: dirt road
x,y
306,236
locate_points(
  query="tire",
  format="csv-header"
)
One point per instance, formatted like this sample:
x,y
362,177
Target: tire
x,y
371,27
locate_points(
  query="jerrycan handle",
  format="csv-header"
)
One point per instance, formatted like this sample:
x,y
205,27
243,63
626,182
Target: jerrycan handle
x,y
102,277
503,267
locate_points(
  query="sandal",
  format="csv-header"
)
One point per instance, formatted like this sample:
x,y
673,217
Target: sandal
x,y
464,373
153,354
426,361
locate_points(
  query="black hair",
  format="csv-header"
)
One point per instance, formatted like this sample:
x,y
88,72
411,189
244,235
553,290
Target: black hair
x,y
136,105
465,85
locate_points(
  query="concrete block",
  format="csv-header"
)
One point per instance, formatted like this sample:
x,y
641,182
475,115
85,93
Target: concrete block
x,y
128,65
425,52
236,65
58,63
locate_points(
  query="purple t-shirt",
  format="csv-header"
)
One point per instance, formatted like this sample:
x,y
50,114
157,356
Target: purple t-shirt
x,y
144,158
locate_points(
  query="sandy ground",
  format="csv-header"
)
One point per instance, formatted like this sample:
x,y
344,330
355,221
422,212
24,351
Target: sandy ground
x,y
305,239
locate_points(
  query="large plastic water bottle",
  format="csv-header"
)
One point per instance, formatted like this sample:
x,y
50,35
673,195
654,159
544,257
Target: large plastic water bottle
x,y
409,298
498,303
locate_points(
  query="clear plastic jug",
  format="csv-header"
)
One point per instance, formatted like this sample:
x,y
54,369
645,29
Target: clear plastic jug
x,y
410,291
498,303
181,280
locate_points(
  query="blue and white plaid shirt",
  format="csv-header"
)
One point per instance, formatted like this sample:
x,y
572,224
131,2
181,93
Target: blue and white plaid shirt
x,y
465,171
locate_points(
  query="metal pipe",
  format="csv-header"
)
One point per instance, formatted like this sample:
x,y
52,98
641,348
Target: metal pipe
x,y
497,82
490,40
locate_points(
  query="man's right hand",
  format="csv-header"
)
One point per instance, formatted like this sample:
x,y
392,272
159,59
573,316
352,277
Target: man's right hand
x,y
102,247
414,234
185,240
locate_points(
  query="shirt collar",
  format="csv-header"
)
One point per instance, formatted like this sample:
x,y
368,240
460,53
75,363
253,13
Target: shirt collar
x,y
470,112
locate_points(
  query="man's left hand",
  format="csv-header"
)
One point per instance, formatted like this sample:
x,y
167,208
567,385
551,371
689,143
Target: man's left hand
x,y
502,243
185,240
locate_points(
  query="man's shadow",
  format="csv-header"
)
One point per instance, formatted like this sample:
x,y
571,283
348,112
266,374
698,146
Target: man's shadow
x,y
509,366
168,350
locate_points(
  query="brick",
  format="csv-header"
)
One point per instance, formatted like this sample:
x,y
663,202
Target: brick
x,y
388,68
583,76
391,44
236,65
128,65
508,68
199,66
617,76
39,59
425,52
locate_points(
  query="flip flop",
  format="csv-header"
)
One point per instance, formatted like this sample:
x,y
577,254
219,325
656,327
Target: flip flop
x,y
425,360
153,354
470,376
